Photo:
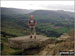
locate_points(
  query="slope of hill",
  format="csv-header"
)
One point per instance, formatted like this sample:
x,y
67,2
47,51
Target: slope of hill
x,y
49,23
54,14
57,18
61,45
52,22
42,45
66,12
12,11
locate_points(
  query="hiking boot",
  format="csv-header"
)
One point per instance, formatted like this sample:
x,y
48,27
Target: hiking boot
x,y
30,36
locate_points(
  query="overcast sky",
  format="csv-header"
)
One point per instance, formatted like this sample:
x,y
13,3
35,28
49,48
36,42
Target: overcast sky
x,y
45,5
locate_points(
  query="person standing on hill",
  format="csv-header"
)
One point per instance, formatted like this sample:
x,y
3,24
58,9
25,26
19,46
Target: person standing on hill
x,y
32,24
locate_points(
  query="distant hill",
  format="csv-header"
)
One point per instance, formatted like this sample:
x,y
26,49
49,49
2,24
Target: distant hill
x,y
66,12
54,14
50,13
12,11
51,23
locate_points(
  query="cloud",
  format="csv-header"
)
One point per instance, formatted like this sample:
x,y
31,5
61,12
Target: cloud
x,y
35,5
60,7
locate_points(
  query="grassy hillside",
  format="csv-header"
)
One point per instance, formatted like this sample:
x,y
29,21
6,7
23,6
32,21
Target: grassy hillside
x,y
48,22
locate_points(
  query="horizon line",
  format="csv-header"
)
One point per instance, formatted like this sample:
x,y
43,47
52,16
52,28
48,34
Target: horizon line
x,y
39,9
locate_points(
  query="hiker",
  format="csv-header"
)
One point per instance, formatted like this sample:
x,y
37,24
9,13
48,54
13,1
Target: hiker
x,y
32,25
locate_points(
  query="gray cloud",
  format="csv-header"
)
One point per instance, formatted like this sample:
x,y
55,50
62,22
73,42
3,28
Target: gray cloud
x,y
60,7
35,5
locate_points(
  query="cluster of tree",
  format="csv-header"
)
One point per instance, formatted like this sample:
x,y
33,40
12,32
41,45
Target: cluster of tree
x,y
4,34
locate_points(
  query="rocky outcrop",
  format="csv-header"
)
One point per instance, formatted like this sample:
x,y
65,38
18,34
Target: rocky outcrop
x,y
63,36
26,43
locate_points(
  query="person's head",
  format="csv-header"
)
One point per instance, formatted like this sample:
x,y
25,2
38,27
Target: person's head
x,y
31,16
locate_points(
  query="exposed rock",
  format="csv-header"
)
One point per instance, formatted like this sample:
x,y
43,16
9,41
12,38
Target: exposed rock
x,y
72,33
26,43
63,36
53,49
47,49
